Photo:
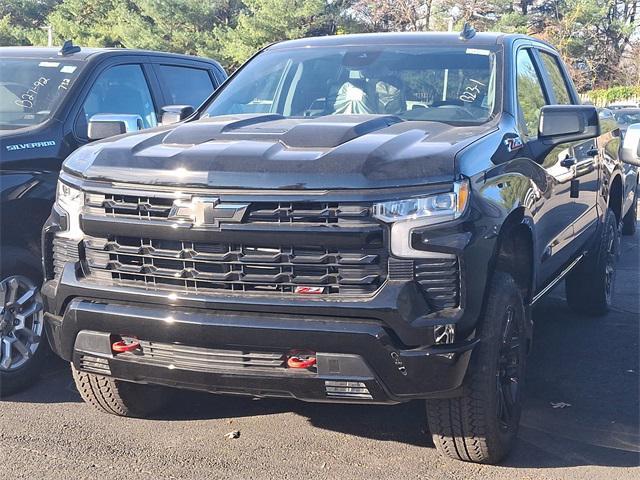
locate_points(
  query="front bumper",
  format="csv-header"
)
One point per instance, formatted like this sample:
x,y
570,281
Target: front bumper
x,y
357,351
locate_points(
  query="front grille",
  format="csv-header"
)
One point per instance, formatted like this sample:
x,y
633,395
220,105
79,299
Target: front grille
x,y
64,251
205,359
158,208
201,267
439,279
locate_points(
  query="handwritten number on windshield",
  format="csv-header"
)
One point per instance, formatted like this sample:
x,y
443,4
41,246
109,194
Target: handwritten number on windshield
x,y
472,91
27,98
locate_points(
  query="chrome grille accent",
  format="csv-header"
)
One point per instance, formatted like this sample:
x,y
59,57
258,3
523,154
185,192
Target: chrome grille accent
x,y
64,251
347,389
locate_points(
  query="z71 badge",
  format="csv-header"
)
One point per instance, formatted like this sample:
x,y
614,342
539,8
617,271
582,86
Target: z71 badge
x,y
513,144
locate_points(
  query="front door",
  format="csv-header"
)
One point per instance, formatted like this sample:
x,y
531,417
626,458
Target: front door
x,y
557,215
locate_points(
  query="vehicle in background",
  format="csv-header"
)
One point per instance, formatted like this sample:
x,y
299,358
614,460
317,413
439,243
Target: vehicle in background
x,y
352,218
623,104
52,102
627,116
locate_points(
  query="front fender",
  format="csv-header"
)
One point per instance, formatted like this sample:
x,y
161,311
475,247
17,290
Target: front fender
x,y
26,198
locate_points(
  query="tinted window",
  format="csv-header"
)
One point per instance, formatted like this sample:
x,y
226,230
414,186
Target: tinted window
x,y
558,83
530,94
448,84
186,86
120,89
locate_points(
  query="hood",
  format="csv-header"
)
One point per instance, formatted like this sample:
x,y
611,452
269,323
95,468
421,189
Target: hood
x,y
274,152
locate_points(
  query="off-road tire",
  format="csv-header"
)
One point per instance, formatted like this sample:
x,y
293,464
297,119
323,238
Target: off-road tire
x,y
629,221
469,427
125,399
589,286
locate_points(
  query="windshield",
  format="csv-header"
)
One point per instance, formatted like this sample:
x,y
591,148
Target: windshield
x,y
447,84
30,89
627,117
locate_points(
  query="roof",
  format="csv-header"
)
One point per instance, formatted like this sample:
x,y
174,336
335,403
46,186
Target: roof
x,y
85,53
404,38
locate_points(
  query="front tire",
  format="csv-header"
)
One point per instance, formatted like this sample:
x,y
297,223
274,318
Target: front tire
x,y
116,397
481,425
589,285
23,346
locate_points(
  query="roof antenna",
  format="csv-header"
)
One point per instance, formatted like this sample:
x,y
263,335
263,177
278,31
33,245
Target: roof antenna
x,y
68,48
468,32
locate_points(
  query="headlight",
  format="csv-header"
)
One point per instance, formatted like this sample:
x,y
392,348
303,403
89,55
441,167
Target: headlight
x,y
408,214
71,200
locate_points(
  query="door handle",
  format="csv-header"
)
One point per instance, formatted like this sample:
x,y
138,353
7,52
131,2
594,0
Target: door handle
x,y
568,162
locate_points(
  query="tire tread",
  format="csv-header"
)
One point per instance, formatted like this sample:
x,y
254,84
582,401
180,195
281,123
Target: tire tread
x,y
460,426
117,397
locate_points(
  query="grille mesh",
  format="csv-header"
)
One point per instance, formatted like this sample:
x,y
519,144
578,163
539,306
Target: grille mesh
x,y
158,208
195,267
205,359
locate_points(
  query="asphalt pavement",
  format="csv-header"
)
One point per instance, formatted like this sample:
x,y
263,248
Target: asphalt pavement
x,y
581,420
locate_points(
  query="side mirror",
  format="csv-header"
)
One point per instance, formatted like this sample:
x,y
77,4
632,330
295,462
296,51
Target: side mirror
x,y
630,151
176,113
103,125
567,123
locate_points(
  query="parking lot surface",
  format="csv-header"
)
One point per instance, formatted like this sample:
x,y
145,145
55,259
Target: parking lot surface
x,y
580,420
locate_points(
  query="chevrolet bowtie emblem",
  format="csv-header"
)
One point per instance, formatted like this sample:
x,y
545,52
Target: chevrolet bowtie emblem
x,y
206,212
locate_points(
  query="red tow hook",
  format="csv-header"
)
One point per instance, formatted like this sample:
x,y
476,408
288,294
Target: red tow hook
x,y
122,346
301,359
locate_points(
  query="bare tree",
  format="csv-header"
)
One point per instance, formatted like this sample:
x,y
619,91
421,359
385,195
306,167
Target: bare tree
x,y
396,15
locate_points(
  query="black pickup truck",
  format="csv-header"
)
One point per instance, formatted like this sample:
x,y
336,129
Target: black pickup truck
x,y
364,218
53,101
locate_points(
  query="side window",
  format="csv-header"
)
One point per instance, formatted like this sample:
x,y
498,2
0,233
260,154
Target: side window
x,y
531,97
119,89
558,82
185,85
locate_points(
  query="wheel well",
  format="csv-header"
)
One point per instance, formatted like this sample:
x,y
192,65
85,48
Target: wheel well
x,y
615,197
515,256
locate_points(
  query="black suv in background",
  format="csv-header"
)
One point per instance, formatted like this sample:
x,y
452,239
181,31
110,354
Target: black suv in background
x,y
362,218
48,98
